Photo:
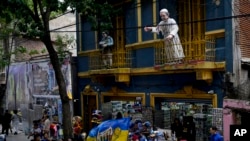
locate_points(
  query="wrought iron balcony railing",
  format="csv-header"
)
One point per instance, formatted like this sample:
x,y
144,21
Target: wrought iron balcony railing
x,y
195,49
200,48
120,59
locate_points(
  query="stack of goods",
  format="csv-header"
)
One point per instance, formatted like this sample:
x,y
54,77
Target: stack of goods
x,y
116,106
217,119
202,126
106,110
166,115
159,118
147,113
203,121
167,120
136,116
175,113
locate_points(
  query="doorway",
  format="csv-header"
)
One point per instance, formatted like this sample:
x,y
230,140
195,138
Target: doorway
x,y
89,104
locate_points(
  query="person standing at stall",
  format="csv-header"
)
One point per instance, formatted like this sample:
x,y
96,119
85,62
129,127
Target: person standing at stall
x,y
177,129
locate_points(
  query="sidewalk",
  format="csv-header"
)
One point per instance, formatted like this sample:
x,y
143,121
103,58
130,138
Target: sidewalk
x,y
19,137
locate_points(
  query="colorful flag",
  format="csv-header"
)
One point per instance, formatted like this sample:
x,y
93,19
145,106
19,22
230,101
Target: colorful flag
x,y
110,130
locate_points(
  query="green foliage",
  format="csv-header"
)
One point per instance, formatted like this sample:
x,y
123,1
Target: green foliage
x,y
98,13
55,14
4,61
33,52
20,49
43,51
31,14
61,44
31,18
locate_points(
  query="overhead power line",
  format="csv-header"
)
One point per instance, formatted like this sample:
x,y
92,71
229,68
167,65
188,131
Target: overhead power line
x,y
135,27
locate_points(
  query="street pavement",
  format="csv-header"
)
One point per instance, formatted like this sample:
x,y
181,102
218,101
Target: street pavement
x,y
19,137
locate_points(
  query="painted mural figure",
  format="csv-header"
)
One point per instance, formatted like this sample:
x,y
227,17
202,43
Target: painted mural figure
x,y
169,29
106,49
51,78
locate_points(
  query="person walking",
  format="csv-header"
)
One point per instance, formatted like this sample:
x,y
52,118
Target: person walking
x,y
15,122
169,28
6,122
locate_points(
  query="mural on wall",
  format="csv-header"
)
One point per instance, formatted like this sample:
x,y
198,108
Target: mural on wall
x,y
34,82
17,86
44,81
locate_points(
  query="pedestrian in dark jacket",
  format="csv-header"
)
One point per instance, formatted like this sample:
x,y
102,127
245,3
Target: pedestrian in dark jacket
x,y
6,122
177,128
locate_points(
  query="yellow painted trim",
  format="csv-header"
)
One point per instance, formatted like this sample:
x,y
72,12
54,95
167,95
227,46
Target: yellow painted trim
x,y
86,53
216,33
124,94
144,44
80,33
197,66
152,70
215,100
139,21
154,16
181,68
213,97
122,78
83,74
111,71
204,75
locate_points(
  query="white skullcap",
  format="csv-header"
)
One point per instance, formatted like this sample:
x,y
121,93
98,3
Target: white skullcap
x,y
164,10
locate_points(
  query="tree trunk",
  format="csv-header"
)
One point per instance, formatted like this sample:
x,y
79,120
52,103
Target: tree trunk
x,y
67,119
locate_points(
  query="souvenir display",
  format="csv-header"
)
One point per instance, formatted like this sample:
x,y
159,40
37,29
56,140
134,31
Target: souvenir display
x,y
217,119
203,116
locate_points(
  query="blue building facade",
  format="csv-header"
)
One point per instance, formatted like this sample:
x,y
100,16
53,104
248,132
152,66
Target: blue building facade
x,y
139,69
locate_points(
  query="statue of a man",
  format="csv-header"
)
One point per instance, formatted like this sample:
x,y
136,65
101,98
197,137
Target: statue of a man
x,y
169,29
106,47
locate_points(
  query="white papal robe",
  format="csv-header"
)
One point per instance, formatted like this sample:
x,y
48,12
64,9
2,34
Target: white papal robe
x,y
173,48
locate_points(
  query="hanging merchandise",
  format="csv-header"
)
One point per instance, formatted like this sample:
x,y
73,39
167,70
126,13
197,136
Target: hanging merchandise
x,y
197,118
217,119
202,125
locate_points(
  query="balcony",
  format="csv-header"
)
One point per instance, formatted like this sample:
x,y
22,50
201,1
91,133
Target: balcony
x,y
196,49
121,59
199,57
